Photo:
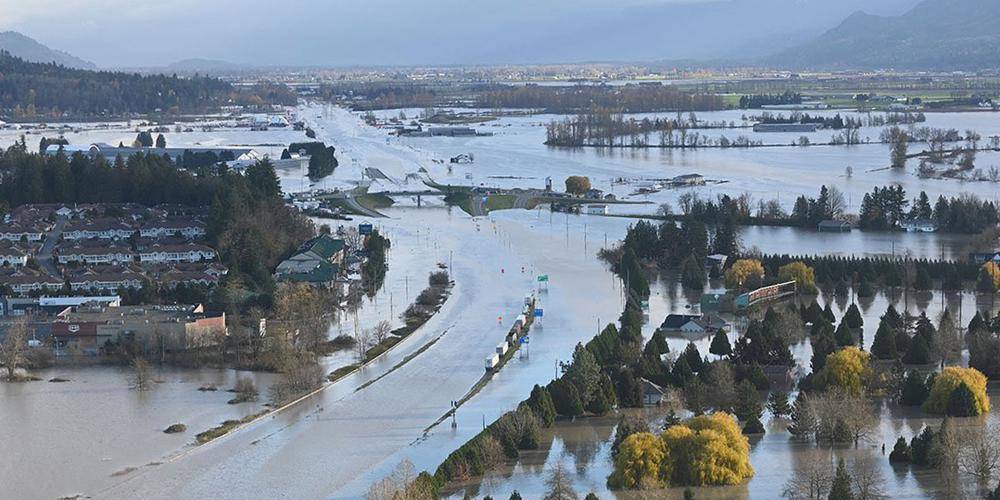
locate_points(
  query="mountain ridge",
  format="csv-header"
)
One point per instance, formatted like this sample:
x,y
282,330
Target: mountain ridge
x,y
29,49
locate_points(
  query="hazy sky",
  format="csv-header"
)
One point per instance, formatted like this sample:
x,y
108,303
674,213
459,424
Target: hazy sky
x,y
130,33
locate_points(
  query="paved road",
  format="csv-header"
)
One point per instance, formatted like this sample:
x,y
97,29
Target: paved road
x,y
45,254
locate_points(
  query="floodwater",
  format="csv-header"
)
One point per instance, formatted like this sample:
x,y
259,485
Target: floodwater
x,y
339,441
70,437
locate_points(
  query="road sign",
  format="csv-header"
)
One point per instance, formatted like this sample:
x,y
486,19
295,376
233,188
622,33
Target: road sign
x,y
538,313
543,278
365,229
525,339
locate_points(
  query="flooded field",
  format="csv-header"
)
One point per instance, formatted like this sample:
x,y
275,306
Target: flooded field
x,y
339,441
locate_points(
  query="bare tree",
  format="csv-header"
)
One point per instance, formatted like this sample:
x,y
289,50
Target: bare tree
x,y
13,347
979,454
142,375
867,478
363,341
812,479
381,331
560,485
395,485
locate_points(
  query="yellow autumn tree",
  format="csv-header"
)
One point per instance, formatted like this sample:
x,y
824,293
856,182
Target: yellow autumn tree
x,y
743,271
708,450
949,380
639,462
993,270
803,276
847,368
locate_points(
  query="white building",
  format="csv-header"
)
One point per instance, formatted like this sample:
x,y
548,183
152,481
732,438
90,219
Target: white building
x,y
176,253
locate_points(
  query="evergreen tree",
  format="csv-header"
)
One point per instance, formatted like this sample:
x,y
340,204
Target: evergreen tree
x,y
853,317
921,447
693,358
565,398
629,390
962,402
918,353
720,344
541,403
692,274
823,344
804,421
844,335
900,453
914,391
828,314
777,404
841,487
682,373
161,142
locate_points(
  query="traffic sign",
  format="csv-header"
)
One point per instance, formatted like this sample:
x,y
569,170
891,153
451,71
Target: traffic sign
x,y
543,278
538,313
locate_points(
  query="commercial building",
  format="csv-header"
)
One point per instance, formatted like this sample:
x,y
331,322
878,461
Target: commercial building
x,y
85,329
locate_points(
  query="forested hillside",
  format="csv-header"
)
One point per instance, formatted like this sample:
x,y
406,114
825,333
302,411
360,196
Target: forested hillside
x,y
30,90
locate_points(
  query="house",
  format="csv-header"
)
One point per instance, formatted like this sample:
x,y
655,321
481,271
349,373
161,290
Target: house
x,y
23,281
164,228
597,210
106,280
918,226
190,252
692,324
834,226
85,329
96,255
652,394
688,180
103,229
312,271
716,260
12,255
324,247
17,231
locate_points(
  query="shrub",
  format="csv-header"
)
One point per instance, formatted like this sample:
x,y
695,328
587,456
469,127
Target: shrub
x,y
920,447
175,428
962,403
950,379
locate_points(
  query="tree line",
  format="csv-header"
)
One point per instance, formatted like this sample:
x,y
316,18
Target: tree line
x,y
624,98
34,90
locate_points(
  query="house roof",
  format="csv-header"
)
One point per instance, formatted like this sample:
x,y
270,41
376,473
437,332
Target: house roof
x,y
674,321
324,272
323,245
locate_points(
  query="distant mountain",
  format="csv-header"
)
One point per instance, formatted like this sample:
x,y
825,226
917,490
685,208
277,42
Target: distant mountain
x,y
934,35
29,49
203,66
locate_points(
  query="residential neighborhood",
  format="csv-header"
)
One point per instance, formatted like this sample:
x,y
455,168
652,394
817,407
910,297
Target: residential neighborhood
x,y
104,248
